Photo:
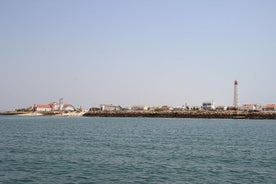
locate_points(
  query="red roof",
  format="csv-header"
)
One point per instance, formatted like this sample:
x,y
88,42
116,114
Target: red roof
x,y
42,106
270,106
66,105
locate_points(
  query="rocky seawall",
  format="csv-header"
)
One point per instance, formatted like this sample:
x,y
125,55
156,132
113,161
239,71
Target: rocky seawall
x,y
161,114
186,114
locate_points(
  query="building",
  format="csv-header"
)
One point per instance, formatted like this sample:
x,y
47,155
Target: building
x,y
53,106
138,108
154,108
42,108
208,105
231,108
165,108
248,107
110,107
68,107
269,107
221,108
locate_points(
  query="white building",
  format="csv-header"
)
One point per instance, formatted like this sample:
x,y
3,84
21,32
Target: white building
x,y
54,106
221,108
208,105
248,107
42,108
137,108
110,107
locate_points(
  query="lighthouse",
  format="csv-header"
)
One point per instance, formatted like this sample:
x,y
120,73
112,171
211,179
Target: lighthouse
x,y
236,94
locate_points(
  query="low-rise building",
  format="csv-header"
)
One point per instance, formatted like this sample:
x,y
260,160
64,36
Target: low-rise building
x,y
178,108
248,107
42,108
208,106
94,109
138,108
68,107
165,108
110,107
232,108
269,107
221,108
53,106
153,108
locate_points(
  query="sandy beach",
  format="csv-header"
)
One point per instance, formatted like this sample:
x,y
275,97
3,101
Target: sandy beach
x,y
60,114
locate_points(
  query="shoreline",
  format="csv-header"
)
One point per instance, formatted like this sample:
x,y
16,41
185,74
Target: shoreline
x,y
153,114
57,114
186,114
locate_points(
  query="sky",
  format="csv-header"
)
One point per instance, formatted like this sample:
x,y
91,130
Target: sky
x,y
136,52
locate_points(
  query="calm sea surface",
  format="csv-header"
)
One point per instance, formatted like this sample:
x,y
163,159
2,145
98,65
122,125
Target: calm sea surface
x,y
136,150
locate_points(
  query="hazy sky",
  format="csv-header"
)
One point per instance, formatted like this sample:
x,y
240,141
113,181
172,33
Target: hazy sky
x,y
133,52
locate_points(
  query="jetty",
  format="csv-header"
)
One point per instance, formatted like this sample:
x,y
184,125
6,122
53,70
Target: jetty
x,y
204,114
186,114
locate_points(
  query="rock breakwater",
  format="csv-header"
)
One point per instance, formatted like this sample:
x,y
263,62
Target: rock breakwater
x,y
186,114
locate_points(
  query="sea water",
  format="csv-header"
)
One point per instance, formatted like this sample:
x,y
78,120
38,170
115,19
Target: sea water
x,y
136,150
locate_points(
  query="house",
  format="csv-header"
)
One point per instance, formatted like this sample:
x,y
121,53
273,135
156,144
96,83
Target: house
x,y
68,107
231,108
269,107
138,108
154,108
110,107
208,106
165,108
94,109
221,108
42,108
53,106
178,108
248,107
192,108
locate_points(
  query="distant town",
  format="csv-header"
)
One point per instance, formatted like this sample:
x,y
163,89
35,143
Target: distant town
x,y
241,111
210,105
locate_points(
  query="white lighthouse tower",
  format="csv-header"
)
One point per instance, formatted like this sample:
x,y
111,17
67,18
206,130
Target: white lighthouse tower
x,y
236,94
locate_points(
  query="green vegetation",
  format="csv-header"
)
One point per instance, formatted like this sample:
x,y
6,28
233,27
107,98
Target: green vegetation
x,y
28,109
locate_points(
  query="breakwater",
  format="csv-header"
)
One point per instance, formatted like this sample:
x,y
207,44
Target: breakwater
x,y
160,114
186,114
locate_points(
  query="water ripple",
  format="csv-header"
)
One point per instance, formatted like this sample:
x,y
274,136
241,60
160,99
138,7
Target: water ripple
x,y
136,150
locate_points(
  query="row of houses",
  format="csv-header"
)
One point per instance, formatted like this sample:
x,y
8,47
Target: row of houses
x,y
249,107
54,106
245,107
269,107
111,107
205,106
